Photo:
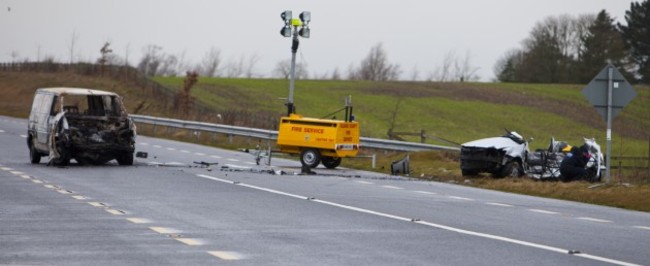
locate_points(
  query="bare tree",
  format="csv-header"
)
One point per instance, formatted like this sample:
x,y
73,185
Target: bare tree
x,y
415,73
209,66
283,69
252,62
335,74
127,49
168,65
454,68
38,52
376,66
183,65
235,69
464,71
14,56
352,73
443,72
151,60
73,40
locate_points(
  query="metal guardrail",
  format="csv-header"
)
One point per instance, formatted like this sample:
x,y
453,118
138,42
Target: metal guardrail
x,y
273,135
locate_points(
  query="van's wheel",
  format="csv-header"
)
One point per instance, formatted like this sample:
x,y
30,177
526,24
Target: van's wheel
x,y
125,158
310,157
331,162
511,169
34,156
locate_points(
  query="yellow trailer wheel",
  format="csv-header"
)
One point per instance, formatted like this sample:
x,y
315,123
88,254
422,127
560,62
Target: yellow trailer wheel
x,y
331,162
310,157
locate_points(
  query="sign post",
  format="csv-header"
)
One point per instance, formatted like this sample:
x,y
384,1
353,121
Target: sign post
x,y
609,92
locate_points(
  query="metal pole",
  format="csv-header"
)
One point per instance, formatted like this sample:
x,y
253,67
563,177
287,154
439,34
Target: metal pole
x,y
608,164
292,73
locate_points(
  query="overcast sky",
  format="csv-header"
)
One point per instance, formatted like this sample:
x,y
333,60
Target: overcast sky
x,y
416,34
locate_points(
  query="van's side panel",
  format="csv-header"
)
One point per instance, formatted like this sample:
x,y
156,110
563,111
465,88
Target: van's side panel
x,y
42,115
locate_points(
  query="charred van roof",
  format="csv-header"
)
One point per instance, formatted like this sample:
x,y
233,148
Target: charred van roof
x,y
76,91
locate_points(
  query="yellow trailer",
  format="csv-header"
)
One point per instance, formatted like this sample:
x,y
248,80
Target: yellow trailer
x,y
318,140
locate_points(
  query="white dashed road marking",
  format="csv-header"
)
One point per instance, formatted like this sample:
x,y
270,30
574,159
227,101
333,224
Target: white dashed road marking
x,y
215,156
226,255
391,187
138,220
164,230
189,241
542,211
594,220
499,204
460,198
364,182
642,227
425,192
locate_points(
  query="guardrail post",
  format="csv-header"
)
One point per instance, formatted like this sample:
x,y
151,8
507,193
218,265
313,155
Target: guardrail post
x,y
153,133
374,160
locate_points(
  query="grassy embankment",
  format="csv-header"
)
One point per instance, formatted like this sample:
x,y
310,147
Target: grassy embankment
x,y
457,112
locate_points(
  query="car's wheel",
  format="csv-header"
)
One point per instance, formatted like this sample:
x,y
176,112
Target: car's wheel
x,y
34,156
331,162
310,157
125,159
511,169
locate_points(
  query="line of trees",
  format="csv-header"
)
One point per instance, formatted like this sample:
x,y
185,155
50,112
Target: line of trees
x,y
572,49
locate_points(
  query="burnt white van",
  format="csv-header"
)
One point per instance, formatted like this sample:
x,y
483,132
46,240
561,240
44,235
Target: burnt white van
x,y
89,126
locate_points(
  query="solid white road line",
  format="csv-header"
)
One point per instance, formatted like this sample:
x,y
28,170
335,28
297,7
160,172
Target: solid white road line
x,y
439,226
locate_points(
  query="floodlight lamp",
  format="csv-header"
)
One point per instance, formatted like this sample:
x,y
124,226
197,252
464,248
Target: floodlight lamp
x,y
304,32
305,17
286,31
286,16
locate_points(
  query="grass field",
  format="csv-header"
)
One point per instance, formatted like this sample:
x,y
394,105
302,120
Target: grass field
x,y
459,112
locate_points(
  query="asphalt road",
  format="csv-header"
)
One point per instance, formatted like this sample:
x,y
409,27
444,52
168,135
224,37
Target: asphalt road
x,y
166,210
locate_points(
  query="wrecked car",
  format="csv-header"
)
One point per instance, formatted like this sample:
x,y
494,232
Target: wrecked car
x,y
501,156
89,126
545,164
